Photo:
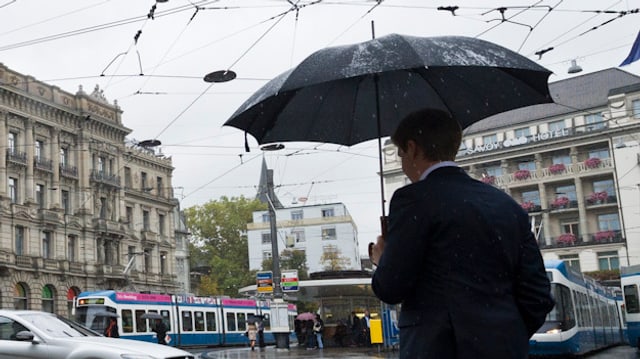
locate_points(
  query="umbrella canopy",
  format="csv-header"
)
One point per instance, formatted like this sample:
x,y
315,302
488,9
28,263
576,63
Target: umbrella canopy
x,y
306,316
151,315
354,93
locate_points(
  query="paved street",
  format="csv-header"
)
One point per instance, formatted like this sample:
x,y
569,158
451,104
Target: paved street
x,y
296,352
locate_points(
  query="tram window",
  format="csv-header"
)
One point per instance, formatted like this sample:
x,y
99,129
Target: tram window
x,y
631,298
127,321
187,323
266,321
231,322
576,300
165,319
567,315
242,321
211,321
141,323
198,317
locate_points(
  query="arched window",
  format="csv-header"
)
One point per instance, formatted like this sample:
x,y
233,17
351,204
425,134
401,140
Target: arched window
x,y
48,295
71,294
20,293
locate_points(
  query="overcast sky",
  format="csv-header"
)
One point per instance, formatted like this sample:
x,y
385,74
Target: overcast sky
x,y
69,43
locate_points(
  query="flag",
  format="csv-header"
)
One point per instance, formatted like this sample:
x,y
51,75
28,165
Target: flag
x,y
634,54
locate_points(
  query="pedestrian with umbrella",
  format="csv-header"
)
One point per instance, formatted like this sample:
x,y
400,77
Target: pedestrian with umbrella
x,y
161,331
473,280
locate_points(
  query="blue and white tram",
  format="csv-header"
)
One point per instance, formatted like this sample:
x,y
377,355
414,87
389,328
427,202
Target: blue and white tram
x,y
630,281
192,321
586,316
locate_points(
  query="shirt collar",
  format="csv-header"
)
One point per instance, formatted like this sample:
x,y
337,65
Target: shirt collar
x,y
436,166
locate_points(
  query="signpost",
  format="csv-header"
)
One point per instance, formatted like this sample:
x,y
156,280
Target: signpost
x,y
264,282
289,280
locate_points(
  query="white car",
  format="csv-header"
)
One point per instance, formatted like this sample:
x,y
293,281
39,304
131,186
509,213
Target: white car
x,y
34,334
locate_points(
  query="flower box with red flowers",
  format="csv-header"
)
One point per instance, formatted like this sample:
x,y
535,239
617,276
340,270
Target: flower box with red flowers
x,y
557,168
567,238
592,162
488,179
522,174
598,197
604,236
560,202
528,206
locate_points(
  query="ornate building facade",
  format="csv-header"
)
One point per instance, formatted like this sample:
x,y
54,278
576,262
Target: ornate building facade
x,y
572,165
81,209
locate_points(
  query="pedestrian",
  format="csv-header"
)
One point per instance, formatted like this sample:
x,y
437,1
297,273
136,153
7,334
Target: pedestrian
x,y
161,331
310,336
366,328
458,254
341,333
252,331
318,328
356,329
260,325
298,327
112,328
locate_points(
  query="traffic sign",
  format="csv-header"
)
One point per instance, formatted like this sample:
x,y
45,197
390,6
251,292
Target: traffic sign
x,y
264,282
289,280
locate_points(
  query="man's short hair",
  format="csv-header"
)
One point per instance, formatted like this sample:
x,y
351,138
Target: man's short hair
x,y
435,132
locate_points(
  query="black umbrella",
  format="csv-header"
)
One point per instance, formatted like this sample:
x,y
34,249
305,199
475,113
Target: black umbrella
x,y
350,94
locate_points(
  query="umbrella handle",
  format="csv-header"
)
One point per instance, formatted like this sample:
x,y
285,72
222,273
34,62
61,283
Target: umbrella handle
x,y
384,221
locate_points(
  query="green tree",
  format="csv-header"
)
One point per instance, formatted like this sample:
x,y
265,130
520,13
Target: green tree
x,y
219,231
333,260
290,259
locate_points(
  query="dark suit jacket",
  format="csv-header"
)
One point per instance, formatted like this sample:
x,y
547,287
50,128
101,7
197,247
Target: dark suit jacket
x,y
461,258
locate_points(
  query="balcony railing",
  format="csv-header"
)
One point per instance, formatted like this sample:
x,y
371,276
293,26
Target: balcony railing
x,y
17,157
43,164
590,239
518,177
104,178
68,171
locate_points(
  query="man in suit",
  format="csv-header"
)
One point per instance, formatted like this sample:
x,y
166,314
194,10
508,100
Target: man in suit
x,y
458,254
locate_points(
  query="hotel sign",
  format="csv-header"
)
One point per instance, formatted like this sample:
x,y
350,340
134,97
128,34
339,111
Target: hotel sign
x,y
519,141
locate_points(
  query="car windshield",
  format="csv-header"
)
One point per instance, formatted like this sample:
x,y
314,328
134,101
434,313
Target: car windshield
x,y
57,327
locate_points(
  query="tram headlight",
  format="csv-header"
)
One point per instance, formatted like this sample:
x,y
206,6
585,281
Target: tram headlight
x,y
554,331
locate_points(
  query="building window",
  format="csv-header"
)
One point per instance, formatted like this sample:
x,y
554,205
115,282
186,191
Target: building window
x,y
161,224
266,237
603,186
103,208
20,297
328,233
11,142
19,240
163,262
147,260
571,226
599,153
127,177
594,122
489,139
64,157
572,260
266,217
328,212
531,196
47,246
608,260
145,220
266,255
71,248
522,132
527,165
129,214
100,164
635,105
298,234
40,195
143,181
567,191
38,150
495,170
608,222
564,159
557,125
66,202
159,186
13,189
297,215
48,295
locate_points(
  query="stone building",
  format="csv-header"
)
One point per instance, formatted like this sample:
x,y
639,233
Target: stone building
x,y
81,208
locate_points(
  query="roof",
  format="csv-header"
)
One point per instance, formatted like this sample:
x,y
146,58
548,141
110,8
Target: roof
x,y
571,95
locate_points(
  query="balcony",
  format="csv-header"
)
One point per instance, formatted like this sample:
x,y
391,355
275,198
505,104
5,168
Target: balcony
x,y
568,240
106,179
16,157
68,171
43,164
597,199
551,172
108,227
